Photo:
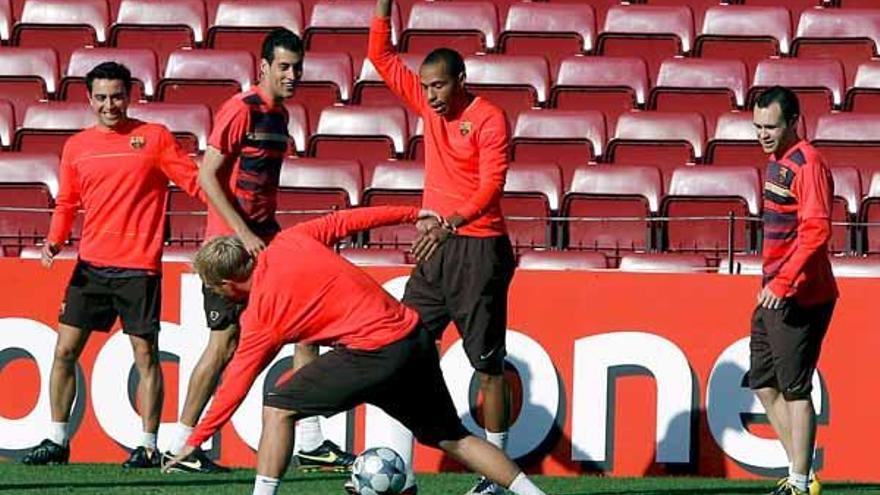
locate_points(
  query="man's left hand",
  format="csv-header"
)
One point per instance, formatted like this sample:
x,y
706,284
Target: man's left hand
x,y
427,243
768,300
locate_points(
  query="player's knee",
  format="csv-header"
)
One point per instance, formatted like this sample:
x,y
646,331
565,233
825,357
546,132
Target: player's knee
x,y
65,355
146,356
767,395
277,415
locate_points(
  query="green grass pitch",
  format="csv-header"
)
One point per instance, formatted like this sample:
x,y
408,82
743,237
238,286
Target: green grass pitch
x,y
104,479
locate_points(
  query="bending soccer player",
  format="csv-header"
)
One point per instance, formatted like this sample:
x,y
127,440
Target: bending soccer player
x,y
799,292
240,176
300,290
466,141
118,172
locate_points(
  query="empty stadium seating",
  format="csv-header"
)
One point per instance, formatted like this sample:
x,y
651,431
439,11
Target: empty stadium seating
x,y
847,139
297,127
561,260
141,62
376,132
746,32
374,257
615,200
514,83
712,191
243,25
327,79
62,24
45,127
209,77
6,21
819,83
343,26
311,187
571,138
27,180
7,123
190,123
611,85
864,95
394,183
850,36
532,192
664,139
847,196
466,26
177,24
186,219
370,89
735,141
663,263
27,75
549,29
651,32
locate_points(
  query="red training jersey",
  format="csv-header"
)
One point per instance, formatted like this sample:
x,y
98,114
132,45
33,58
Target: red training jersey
x,y
303,291
798,192
465,157
120,178
253,128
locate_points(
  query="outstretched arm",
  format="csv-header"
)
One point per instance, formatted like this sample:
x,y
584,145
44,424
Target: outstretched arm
x,y
329,229
403,82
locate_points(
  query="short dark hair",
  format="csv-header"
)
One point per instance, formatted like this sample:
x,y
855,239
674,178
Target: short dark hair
x,y
281,38
112,71
787,100
451,58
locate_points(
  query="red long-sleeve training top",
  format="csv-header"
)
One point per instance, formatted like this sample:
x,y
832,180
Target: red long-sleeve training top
x,y
303,291
465,157
120,178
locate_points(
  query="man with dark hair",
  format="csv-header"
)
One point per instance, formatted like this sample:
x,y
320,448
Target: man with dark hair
x,y
240,175
466,261
116,171
799,292
299,290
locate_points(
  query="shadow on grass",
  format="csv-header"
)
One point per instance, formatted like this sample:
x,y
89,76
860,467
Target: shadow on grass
x,y
165,481
837,488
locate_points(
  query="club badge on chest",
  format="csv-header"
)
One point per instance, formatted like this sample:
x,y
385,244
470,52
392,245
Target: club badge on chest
x,y
465,127
138,142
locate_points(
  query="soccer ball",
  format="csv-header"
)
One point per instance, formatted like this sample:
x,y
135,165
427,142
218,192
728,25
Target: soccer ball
x,y
378,471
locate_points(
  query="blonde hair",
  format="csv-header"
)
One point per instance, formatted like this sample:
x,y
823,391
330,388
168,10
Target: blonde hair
x,y
223,258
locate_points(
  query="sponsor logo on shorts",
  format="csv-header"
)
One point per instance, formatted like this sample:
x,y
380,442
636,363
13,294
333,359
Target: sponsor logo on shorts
x,y
213,315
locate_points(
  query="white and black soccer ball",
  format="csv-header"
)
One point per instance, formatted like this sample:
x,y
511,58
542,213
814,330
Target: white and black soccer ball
x,y
378,471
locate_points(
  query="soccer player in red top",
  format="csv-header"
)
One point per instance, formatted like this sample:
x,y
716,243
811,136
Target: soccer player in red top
x,y
300,290
798,295
117,171
240,175
467,279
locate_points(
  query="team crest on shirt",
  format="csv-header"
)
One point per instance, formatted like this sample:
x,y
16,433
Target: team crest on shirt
x,y
465,128
138,142
783,174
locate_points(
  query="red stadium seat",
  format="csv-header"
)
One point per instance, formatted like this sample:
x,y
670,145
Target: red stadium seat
x,y
712,86
818,83
415,150
7,123
243,25
327,79
179,254
398,183
514,83
27,75
7,19
698,7
27,180
374,257
561,260
746,32
847,196
186,218
848,35
611,85
177,24
712,192
370,89
795,6
653,33
344,26
141,62
209,77
190,123
62,24
46,126
616,194
552,30
572,138
664,139
847,139
869,212
297,127
367,133
864,95
664,263
532,190
465,26
309,188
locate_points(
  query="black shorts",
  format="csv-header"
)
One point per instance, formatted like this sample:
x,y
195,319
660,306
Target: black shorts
x,y
220,312
403,379
785,347
466,281
93,301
